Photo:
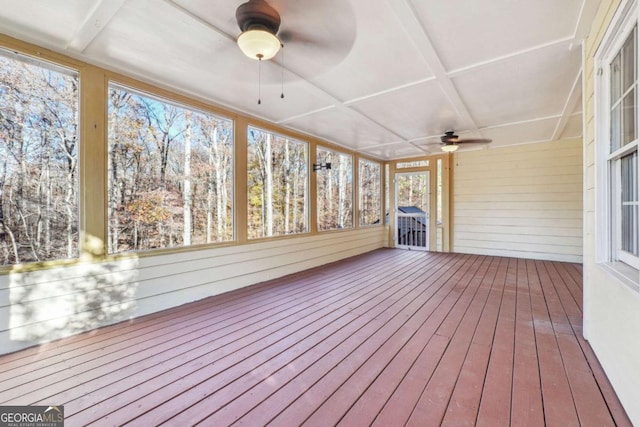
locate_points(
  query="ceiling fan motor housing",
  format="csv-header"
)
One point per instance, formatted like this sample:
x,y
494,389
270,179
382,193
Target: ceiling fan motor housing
x,y
258,14
449,137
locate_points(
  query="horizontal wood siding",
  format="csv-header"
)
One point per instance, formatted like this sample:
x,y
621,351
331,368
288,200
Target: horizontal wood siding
x,y
611,308
43,305
523,201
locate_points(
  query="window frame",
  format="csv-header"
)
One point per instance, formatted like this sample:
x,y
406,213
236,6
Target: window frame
x,y
92,173
75,70
309,146
353,225
113,82
608,237
380,195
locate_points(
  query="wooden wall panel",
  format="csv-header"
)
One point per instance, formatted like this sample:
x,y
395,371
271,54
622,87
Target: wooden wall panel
x,y
523,201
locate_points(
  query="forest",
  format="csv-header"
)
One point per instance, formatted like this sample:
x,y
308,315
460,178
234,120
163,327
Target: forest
x,y
277,184
369,176
170,172
38,161
335,191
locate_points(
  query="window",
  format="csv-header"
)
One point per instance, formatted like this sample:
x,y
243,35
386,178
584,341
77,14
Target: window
x,y
38,160
623,153
617,116
387,195
170,174
335,191
413,164
370,193
277,184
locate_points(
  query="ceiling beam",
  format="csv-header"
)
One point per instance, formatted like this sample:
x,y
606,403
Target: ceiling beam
x,y
334,101
389,90
93,24
466,68
198,19
585,18
416,32
569,106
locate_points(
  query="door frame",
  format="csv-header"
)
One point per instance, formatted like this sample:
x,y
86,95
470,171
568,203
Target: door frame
x,y
427,215
442,228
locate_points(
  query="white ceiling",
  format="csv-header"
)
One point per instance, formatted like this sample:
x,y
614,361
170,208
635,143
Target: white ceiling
x,y
384,78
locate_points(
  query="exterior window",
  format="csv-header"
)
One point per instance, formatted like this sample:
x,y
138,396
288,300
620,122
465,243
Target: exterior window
x,y
387,195
622,158
626,177
170,174
370,193
277,181
38,160
335,191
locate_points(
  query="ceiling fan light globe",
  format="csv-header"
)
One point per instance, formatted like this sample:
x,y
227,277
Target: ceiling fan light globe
x,y
259,44
449,148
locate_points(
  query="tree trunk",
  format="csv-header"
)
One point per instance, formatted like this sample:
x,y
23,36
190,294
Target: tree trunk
x,y
49,205
186,206
210,193
294,221
220,186
70,205
269,184
410,190
112,205
342,189
287,180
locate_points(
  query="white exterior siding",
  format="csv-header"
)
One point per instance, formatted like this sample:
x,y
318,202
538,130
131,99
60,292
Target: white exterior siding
x,y
611,308
43,305
523,201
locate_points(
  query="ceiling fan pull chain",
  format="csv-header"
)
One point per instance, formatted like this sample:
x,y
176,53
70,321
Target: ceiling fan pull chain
x,y
282,69
259,79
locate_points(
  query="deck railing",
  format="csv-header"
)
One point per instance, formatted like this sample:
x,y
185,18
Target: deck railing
x,y
412,230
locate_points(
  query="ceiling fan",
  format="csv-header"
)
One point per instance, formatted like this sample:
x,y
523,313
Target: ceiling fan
x,y
259,23
450,142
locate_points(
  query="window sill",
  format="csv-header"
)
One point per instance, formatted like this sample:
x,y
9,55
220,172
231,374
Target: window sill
x,y
629,276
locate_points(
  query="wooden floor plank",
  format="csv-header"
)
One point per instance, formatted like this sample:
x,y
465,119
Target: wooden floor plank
x,y
390,362
465,400
549,321
386,338
276,373
584,388
615,407
495,405
136,329
432,405
221,358
526,409
342,364
163,341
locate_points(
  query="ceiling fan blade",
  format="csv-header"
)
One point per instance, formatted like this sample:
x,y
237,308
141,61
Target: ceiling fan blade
x,y
473,141
289,36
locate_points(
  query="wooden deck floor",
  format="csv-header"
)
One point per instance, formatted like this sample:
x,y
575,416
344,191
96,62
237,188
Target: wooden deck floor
x,y
387,338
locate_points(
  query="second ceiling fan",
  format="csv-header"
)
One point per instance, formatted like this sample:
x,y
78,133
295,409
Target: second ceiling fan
x,y
450,142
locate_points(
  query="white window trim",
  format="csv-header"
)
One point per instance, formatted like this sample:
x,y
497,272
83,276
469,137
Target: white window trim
x,y
626,17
